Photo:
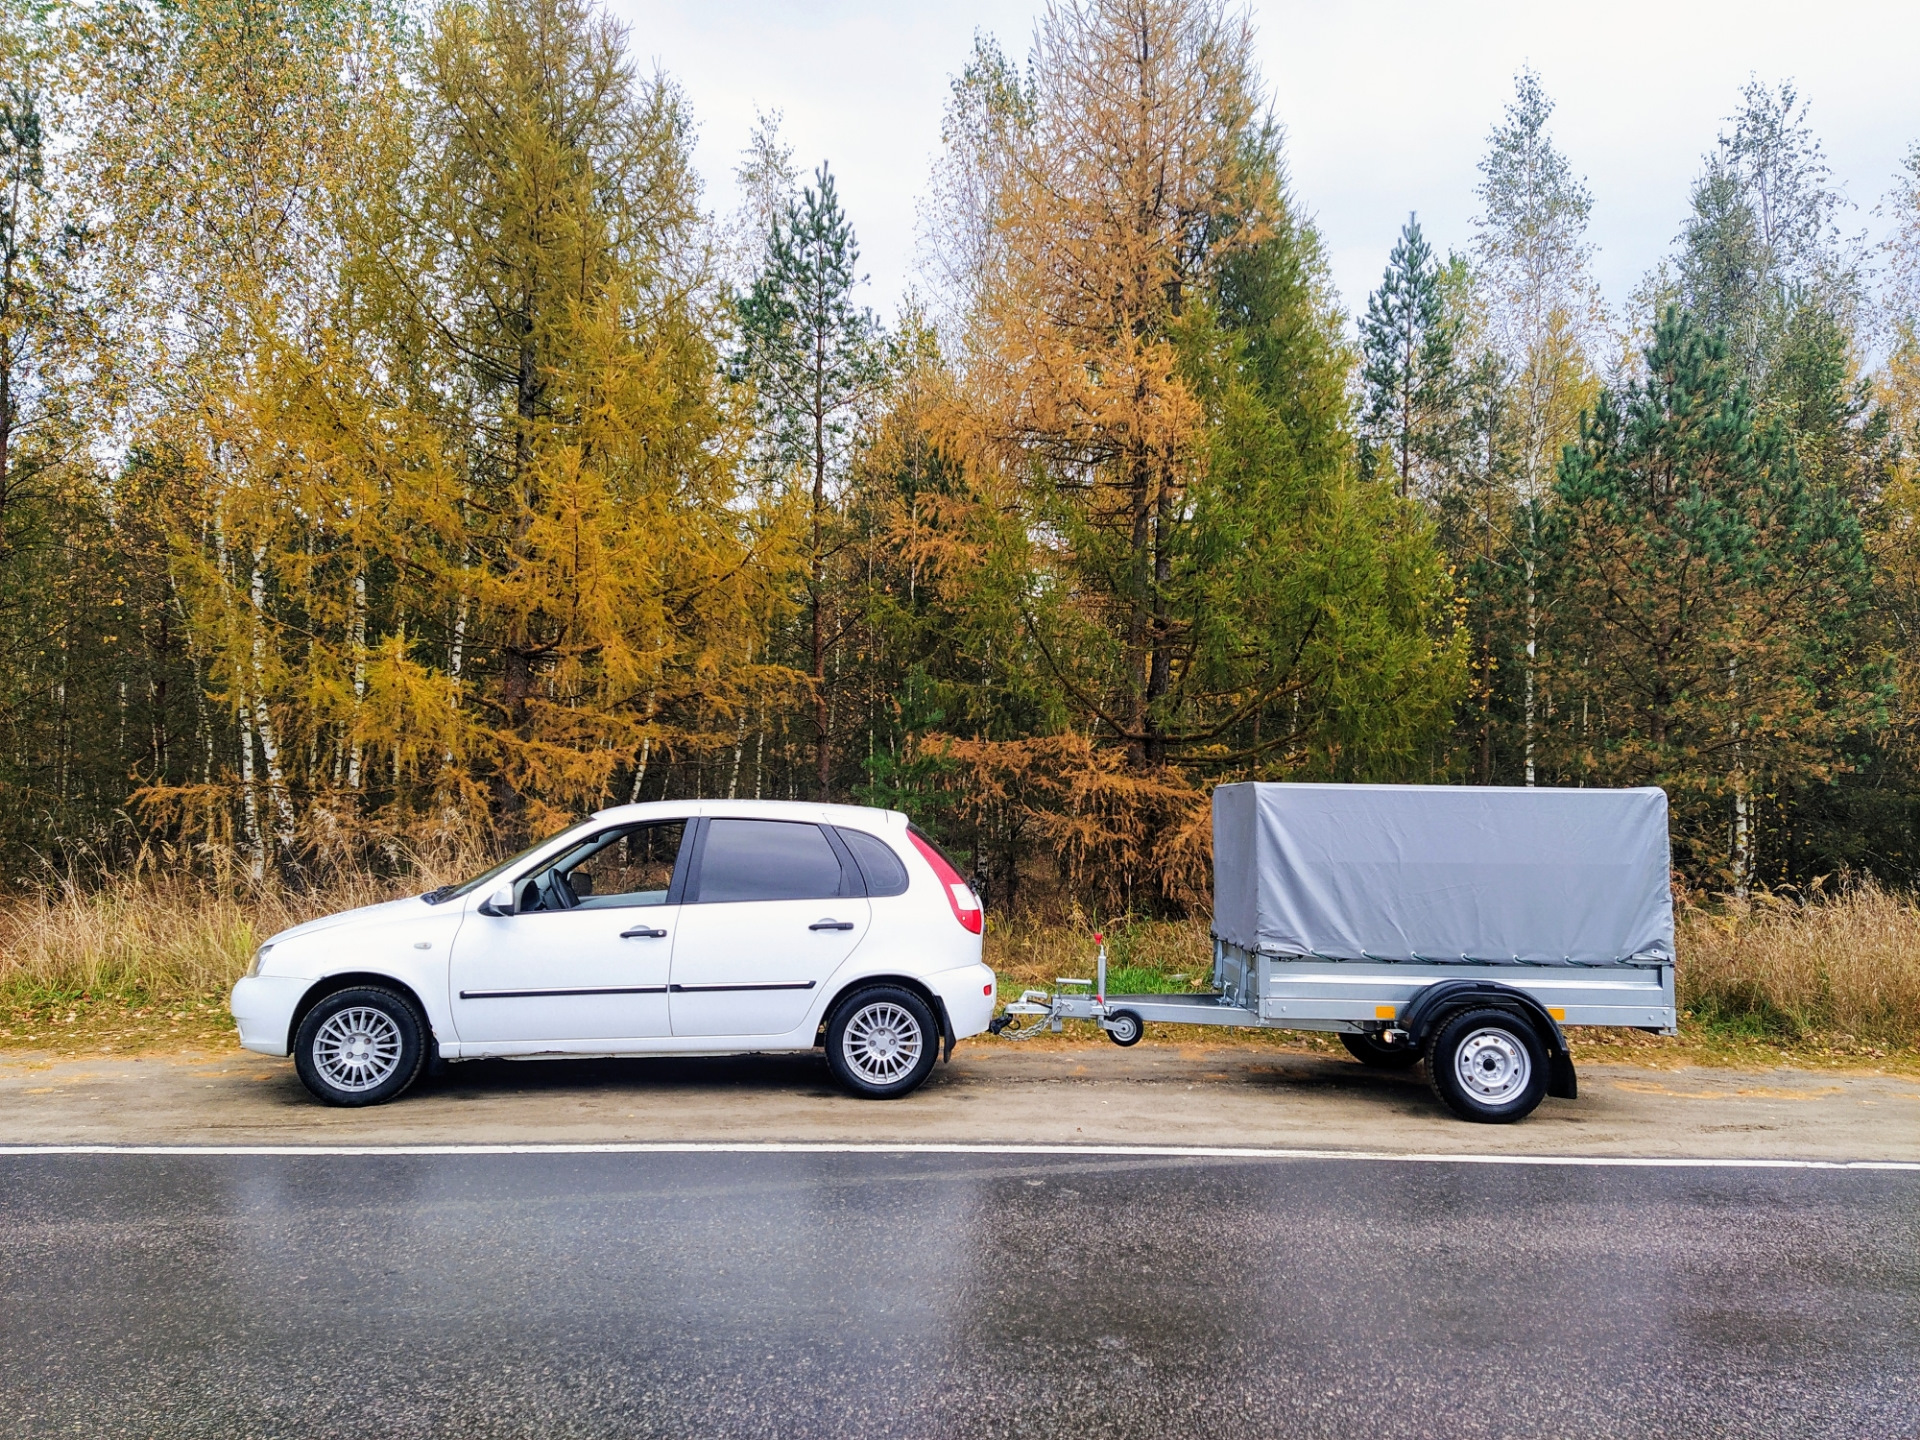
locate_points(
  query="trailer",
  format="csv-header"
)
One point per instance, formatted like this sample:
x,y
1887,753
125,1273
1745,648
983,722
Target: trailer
x,y
1462,926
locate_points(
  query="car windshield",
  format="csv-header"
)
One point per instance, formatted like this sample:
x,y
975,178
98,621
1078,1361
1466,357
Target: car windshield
x,y
454,892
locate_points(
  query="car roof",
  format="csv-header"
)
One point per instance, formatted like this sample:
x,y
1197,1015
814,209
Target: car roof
x,y
860,815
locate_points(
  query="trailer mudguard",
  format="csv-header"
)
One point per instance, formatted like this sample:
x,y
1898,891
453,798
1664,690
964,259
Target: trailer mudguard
x,y
1433,1004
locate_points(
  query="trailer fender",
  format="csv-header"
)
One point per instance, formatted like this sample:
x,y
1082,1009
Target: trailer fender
x,y
1433,1004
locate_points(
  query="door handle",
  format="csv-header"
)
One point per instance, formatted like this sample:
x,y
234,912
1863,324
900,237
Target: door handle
x,y
831,925
643,932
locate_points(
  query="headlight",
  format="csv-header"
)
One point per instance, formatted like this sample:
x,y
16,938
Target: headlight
x,y
258,956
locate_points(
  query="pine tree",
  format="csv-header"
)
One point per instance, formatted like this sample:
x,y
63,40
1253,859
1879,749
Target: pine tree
x,y
816,361
1705,596
1407,350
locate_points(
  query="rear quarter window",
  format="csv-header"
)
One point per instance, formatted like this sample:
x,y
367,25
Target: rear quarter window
x,y
884,873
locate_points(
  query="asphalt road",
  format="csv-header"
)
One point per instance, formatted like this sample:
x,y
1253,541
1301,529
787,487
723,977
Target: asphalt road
x,y
967,1295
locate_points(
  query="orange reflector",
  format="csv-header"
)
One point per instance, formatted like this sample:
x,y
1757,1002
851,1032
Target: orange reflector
x,y
1556,1012
1383,1012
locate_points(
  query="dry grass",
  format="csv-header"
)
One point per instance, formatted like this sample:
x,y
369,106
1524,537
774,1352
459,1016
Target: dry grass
x,y
145,960
1845,966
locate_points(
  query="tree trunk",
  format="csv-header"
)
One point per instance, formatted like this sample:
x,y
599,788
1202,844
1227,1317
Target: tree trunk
x,y
283,818
1160,668
1137,659
817,575
358,639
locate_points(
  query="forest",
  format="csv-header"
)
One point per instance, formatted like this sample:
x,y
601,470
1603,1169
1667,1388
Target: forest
x,y
398,454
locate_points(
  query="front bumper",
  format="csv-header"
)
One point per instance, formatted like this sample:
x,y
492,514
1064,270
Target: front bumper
x,y
263,1007
968,993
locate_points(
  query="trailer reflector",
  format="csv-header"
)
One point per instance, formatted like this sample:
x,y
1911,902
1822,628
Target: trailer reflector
x,y
1558,1012
1384,1012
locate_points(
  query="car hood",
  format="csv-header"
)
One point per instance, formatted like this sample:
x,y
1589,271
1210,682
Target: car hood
x,y
361,918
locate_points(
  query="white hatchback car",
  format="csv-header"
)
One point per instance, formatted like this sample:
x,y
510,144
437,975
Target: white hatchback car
x,y
673,928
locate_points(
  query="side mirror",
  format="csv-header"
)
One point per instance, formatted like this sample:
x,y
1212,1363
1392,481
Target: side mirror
x,y
500,902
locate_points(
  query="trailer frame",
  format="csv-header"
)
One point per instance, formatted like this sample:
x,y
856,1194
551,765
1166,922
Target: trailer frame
x,y
1400,1003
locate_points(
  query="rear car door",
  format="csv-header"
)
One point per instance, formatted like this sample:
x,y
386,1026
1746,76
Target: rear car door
x,y
585,955
773,909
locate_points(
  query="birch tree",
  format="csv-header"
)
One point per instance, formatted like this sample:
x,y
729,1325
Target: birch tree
x,y
1544,313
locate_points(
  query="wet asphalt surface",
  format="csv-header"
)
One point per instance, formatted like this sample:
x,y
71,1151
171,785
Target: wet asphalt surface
x,y
949,1295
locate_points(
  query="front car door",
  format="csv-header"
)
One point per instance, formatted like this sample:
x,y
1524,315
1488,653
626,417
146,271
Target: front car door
x,y
772,912
584,957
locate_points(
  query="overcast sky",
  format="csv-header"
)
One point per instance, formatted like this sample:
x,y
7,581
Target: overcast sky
x,y
1387,105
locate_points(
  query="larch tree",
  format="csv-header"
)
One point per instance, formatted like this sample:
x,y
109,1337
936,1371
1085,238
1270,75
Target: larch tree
x,y
1151,385
604,594
816,362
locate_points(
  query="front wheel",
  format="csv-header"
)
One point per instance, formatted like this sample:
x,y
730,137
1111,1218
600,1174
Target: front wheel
x,y
1488,1066
1123,1027
360,1046
882,1042
1372,1050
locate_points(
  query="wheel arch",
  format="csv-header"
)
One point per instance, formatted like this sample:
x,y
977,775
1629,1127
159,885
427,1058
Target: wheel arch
x,y
905,982
1433,1006
346,980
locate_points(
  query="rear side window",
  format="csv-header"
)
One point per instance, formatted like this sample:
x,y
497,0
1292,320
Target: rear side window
x,y
766,860
885,874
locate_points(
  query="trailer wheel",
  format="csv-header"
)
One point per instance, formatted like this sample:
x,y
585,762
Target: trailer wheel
x,y
1488,1066
1123,1027
1371,1050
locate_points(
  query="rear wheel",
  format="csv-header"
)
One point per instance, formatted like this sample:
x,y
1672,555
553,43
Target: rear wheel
x,y
1372,1050
360,1046
882,1042
1488,1066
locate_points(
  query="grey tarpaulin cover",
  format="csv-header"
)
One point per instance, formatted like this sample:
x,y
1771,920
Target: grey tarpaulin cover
x,y
1443,873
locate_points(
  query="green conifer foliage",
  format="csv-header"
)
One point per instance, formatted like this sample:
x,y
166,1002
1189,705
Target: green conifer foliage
x,y
1700,597
1407,348
816,361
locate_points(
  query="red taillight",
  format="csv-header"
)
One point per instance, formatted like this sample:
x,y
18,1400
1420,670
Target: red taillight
x,y
965,904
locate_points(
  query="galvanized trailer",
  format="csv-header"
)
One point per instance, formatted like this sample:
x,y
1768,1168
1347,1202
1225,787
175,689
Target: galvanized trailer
x,y
1462,925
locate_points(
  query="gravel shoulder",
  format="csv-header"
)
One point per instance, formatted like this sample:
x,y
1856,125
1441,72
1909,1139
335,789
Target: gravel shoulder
x,y
1155,1093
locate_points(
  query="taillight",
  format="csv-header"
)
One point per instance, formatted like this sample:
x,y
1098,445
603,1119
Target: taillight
x,y
960,896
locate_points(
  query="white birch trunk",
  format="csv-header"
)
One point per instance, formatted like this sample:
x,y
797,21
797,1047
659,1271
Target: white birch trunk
x,y
359,643
283,819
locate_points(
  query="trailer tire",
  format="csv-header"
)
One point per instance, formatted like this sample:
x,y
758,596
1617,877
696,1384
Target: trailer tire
x,y
1369,1050
1488,1065
1123,1027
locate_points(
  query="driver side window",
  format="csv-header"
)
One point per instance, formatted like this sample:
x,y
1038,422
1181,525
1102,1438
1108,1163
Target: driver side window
x,y
631,865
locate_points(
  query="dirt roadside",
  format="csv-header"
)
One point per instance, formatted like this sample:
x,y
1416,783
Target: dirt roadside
x,y
991,1091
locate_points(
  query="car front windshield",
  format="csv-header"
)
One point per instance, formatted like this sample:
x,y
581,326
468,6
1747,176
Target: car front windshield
x,y
454,892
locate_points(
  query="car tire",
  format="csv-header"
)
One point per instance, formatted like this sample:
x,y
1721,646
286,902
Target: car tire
x,y
1488,1066
882,1042
1369,1050
360,1046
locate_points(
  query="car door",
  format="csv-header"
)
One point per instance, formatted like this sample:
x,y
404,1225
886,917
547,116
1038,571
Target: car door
x,y
771,914
585,956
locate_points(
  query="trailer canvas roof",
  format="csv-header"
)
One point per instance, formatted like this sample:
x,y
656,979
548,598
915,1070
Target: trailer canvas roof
x,y
1441,873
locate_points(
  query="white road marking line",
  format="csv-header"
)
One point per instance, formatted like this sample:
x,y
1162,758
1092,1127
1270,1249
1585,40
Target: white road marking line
x,y
828,1147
